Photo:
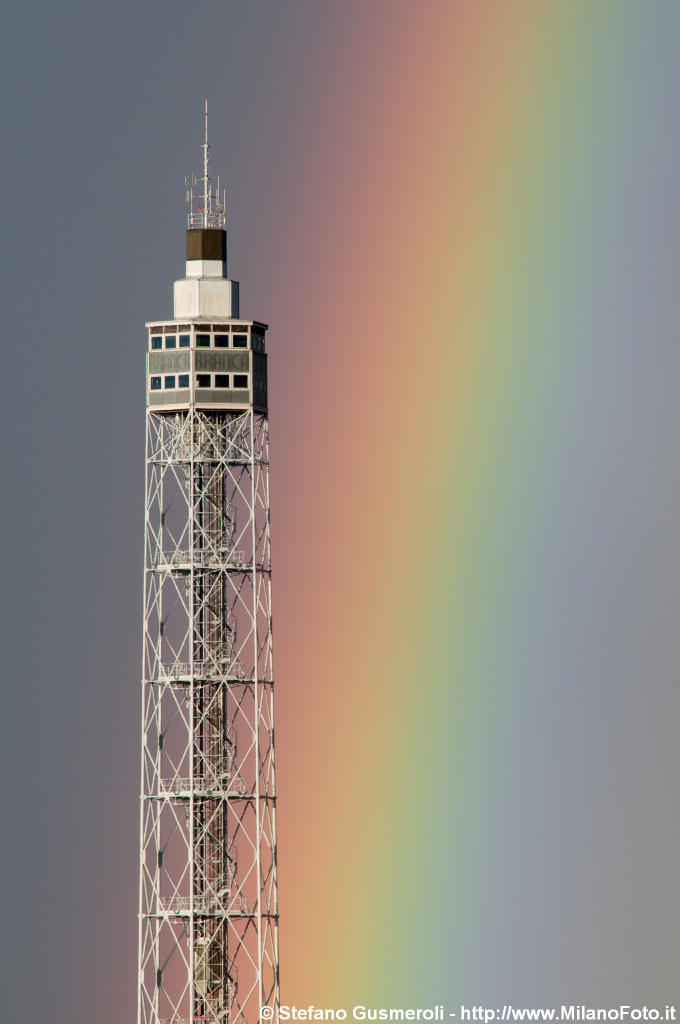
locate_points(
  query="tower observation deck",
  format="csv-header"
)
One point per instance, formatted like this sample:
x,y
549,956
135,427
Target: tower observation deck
x,y
208,916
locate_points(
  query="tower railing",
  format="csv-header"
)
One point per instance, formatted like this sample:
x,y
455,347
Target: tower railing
x,y
205,784
216,557
185,670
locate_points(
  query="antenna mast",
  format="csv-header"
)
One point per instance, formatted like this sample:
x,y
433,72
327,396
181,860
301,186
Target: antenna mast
x,y
211,211
206,179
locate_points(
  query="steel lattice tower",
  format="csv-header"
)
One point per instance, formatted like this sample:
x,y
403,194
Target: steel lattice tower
x,y
208,919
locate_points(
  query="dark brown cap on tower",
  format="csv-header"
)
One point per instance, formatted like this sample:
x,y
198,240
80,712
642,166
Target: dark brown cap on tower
x,y
207,244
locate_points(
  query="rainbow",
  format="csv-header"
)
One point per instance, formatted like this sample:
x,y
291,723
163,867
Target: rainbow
x,y
449,401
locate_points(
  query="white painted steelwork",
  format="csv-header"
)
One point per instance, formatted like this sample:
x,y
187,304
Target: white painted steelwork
x,y
208,915
208,819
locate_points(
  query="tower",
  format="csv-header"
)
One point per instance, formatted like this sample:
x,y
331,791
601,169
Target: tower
x,y
208,919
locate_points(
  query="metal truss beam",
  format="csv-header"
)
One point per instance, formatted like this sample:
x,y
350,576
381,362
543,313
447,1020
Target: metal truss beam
x,y
208,914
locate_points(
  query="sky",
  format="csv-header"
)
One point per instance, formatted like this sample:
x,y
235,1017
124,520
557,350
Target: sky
x,y
460,221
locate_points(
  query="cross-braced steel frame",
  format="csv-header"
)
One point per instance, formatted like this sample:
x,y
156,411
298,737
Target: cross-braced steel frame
x,y
208,918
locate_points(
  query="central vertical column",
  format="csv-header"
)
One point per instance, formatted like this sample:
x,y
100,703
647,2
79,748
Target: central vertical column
x,y
212,646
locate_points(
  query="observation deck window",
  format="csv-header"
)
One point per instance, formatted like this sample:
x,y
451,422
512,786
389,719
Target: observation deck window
x,y
156,341
170,381
240,380
222,380
240,341
183,380
203,341
202,380
171,341
184,340
221,341
155,383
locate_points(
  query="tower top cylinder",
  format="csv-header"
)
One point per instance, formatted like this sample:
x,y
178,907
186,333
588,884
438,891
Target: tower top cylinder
x,y
207,244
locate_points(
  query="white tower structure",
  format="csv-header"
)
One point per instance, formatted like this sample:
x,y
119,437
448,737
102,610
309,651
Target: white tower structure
x,y
208,918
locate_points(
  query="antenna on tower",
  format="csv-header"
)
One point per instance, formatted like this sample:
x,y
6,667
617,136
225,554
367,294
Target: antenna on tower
x,y
211,213
206,178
